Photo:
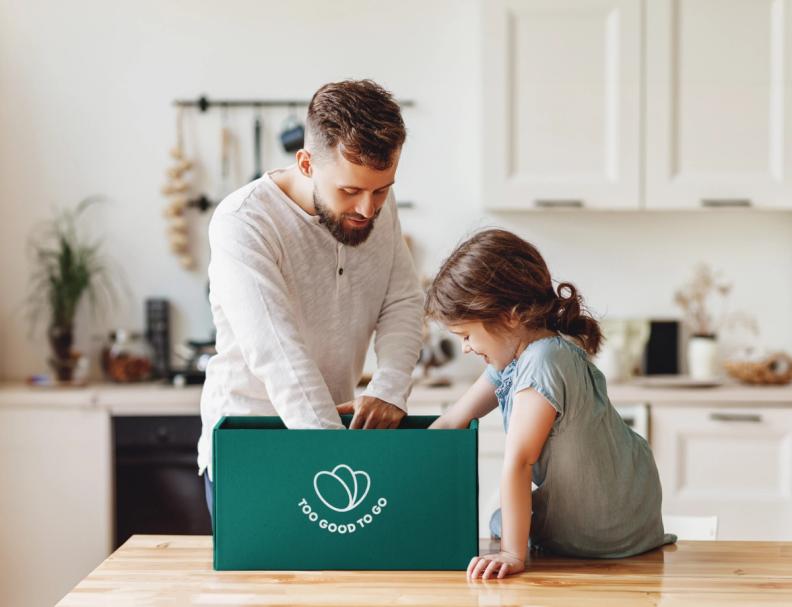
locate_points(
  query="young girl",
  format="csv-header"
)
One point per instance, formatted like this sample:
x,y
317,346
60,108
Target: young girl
x,y
598,492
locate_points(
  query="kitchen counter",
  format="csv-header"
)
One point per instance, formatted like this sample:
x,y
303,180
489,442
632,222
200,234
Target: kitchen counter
x,y
163,399
118,399
177,570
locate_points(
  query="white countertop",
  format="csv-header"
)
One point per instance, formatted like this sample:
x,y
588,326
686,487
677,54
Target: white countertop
x,y
161,399
154,398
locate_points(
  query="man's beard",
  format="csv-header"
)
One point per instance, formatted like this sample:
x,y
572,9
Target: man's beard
x,y
335,223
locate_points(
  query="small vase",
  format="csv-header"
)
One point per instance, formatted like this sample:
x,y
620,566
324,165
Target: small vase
x,y
703,357
62,362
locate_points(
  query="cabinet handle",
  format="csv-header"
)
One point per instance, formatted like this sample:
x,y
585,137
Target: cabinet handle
x,y
722,203
736,417
553,203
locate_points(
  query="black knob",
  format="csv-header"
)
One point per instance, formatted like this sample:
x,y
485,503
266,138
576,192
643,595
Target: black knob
x,y
162,435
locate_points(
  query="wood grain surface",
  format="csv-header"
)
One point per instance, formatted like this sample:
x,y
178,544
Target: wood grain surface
x,y
177,570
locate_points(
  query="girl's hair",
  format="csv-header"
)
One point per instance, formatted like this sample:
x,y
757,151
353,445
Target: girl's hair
x,y
494,274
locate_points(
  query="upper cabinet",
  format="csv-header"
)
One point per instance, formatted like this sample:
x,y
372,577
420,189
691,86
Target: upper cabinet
x,y
625,104
718,103
561,100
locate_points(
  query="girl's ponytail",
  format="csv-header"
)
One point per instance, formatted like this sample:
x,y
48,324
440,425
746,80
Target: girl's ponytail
x,y
570,317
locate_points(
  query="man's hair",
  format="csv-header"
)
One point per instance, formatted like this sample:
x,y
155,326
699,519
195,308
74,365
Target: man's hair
x,y
358,116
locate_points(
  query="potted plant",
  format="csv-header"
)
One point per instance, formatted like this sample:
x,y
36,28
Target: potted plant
x,y
66,268
696,298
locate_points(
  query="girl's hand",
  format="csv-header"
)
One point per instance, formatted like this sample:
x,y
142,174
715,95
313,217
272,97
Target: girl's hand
x,y
500,563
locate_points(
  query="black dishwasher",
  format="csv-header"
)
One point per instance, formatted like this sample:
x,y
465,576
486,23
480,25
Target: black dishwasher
x,y
157,487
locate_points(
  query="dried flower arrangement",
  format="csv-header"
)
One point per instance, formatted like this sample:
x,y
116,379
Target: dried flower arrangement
x,y
696,299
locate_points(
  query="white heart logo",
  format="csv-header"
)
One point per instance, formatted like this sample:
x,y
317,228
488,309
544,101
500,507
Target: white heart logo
x,y
354,484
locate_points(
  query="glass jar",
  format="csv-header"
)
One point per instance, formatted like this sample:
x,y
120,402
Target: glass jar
x,y
129,358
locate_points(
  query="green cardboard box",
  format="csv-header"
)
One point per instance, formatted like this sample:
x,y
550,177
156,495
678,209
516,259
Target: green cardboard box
x,y
400,499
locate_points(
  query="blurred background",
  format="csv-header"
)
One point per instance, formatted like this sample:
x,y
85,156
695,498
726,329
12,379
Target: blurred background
x,y
88,91
644,147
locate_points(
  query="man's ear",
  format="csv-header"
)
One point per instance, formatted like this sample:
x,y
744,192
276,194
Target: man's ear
x,y
304,162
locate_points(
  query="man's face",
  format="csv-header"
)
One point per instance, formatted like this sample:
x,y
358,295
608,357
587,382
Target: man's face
x,y
348,197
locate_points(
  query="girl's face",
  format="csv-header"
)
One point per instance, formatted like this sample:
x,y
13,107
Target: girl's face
x,y
497,349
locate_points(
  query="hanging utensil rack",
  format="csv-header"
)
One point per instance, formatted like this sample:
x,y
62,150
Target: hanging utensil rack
x,y
204,104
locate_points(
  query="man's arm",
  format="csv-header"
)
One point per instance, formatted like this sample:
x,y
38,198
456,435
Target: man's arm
x,y
247,283
397,341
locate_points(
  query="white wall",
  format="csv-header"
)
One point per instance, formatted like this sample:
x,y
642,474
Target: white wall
x,y
86,92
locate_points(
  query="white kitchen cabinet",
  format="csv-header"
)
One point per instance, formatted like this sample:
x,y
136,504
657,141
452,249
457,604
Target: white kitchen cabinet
x,y
561,101
55,502
732,462
625,104
718,103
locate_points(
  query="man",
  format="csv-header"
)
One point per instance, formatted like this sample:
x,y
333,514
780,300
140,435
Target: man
x,y
306,264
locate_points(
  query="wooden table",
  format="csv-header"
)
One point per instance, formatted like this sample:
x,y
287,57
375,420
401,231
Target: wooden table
x,y
177,570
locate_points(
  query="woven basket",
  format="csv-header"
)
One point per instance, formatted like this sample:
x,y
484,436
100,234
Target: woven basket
x,y
775,369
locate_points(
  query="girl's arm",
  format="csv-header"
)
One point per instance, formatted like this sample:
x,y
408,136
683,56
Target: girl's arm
x,y
479,400
531,420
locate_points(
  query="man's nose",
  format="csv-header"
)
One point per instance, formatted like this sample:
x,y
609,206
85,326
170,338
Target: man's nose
x,y
366,206
467,349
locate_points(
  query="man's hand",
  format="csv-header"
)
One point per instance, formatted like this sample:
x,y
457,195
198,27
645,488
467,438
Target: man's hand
x,y
370,412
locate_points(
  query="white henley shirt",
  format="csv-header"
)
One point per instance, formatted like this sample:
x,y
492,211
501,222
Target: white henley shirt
x,y
295,310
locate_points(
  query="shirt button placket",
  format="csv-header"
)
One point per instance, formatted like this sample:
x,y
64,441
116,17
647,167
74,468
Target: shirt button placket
x,y
340,260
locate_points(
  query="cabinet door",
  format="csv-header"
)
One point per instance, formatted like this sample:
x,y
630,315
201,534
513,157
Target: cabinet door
x,y
55,503
735,463
718,103
561,103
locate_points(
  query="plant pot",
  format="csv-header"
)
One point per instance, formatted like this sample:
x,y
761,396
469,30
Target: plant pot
x,y
62,362
703,357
